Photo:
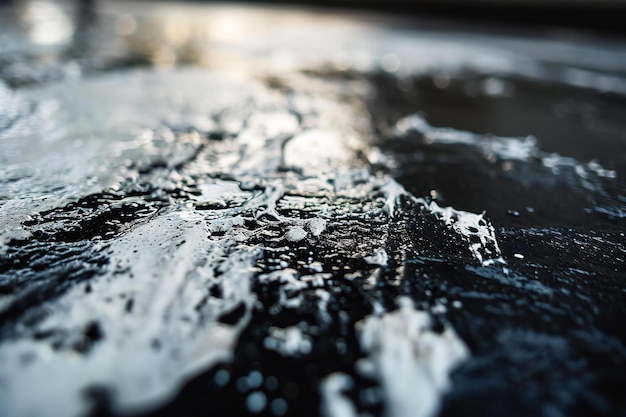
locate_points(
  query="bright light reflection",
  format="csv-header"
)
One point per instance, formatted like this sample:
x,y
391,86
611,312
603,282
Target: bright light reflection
x,y
47,23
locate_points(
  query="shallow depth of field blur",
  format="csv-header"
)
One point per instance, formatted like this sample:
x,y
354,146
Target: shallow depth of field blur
x,y
326,209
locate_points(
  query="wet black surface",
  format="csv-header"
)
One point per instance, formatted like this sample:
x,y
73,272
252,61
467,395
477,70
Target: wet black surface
x,y
577,123
545,330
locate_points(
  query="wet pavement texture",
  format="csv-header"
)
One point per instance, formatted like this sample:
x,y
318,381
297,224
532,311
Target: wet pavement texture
x,y
241,211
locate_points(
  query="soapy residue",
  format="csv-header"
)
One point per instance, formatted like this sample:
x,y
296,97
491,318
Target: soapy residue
x,y
411,362
153,236
506,149
162,266
288,341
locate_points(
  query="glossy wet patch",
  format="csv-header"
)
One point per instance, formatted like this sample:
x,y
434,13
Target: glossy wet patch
x,y
303,237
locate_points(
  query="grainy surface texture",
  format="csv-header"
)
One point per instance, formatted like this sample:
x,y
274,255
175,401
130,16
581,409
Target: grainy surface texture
x,y
210,210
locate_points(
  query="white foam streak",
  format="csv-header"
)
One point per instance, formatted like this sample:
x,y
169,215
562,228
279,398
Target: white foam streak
x,y
410,361
289,341
334,402
466,224
506,148
162,269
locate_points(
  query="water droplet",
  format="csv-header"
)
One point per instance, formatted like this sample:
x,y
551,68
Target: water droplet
x,y
279,406
242,384
271,383
256,402
255,379
221,377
